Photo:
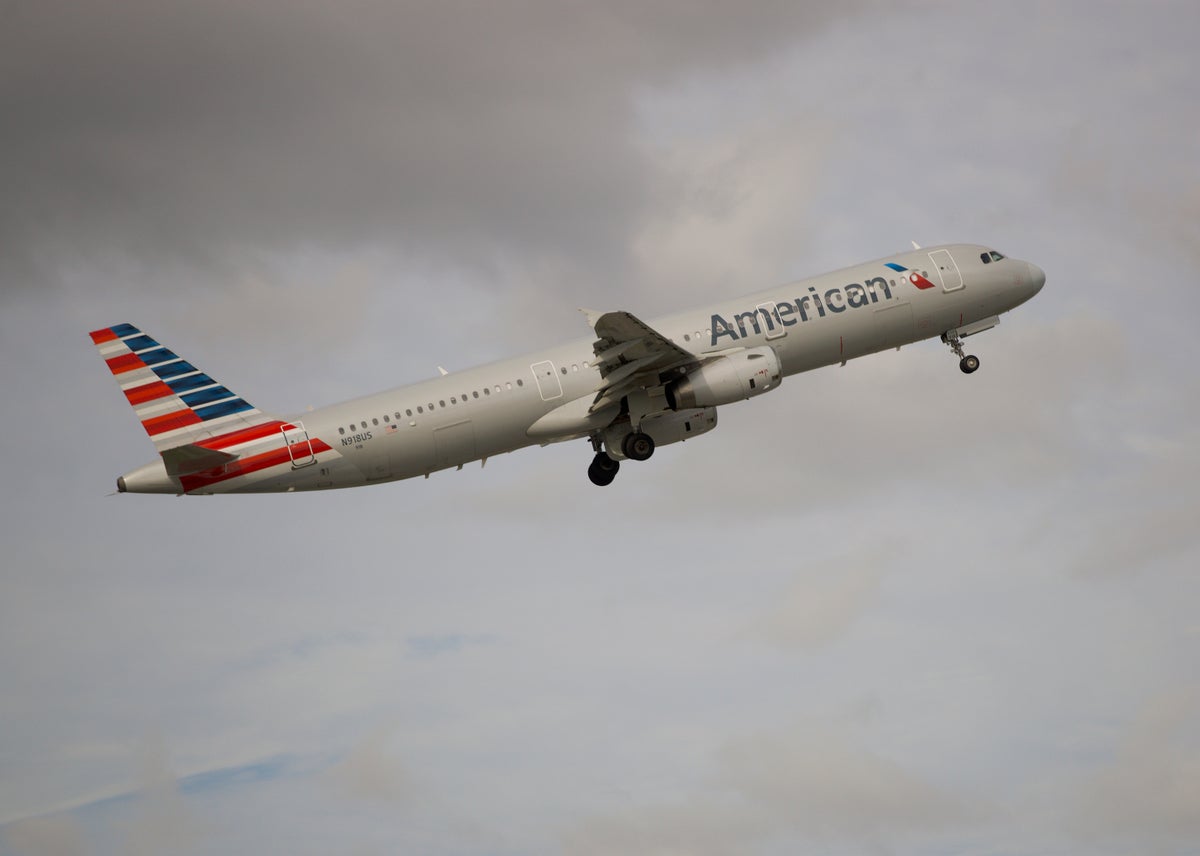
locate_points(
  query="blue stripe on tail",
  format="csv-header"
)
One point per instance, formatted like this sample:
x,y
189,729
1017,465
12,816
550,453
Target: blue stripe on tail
x,y
225,408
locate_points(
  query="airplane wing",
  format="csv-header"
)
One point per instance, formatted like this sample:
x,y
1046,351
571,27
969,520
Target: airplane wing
x,y
631,355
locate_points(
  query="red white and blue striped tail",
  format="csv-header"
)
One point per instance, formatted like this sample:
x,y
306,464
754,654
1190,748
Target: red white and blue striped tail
x,y
177,403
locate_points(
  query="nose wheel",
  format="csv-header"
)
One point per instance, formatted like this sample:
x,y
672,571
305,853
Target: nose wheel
x,y
968,363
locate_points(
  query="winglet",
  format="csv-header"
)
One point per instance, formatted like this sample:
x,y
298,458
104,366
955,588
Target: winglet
x,y
592,316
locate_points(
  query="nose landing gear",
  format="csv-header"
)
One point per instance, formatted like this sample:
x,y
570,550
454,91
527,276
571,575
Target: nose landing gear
x,y
968,363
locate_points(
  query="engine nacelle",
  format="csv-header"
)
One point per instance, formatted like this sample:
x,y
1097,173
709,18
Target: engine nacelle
x,y
665,428
727,379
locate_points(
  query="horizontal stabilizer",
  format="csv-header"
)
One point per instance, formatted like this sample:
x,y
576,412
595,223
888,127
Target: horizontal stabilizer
x,y
185,460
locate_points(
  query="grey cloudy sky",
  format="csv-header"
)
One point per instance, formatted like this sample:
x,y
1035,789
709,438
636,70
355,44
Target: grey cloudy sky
x,y
887,608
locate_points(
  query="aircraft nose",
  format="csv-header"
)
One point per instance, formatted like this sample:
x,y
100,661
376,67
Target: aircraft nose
x,y
1037,277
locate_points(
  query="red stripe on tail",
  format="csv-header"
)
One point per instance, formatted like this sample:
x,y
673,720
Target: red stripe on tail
x,y
246,466
148,392
170,421
124,363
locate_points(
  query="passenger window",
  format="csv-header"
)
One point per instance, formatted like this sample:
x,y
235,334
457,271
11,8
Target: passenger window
x,y
574,367
341,430
487,390
453,400
585,364
420,409
364,426
520,382
409,412
441,402
374,421
398,415
507,385
385,418
497,387
564,369
475,393
687,337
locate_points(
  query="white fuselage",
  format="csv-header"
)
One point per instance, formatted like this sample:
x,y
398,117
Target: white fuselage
x,y
488,410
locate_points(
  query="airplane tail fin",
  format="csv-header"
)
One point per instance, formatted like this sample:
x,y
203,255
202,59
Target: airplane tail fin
x,y
178,404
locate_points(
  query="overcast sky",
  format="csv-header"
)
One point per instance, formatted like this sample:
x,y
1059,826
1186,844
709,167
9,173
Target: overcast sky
x,y
889,608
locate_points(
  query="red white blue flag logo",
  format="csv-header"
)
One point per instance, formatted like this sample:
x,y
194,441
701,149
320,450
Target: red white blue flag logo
x,y
911,275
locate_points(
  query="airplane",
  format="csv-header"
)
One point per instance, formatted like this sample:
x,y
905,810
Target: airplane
x,y
629,388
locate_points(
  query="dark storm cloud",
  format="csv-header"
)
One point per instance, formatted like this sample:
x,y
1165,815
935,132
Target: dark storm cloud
x,y
196,132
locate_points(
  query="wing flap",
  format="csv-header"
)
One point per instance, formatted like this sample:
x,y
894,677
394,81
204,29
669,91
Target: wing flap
x,y
617,376
632,355
611,356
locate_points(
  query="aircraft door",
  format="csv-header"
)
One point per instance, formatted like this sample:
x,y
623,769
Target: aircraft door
x,y
298,444
547,380
772,323
947,269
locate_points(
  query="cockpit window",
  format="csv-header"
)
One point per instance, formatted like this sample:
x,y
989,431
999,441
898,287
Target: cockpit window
x,y
990,256
995,256
987,260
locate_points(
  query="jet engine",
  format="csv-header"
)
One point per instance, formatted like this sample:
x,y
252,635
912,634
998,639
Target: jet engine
x,y
727,379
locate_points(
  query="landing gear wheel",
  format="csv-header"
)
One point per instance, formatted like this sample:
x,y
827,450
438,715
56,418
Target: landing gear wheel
x,y
603,470
638,447
967,362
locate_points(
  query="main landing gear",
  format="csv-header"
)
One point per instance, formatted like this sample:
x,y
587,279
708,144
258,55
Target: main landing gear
x,y
638,446
603,469
967,362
